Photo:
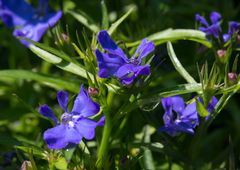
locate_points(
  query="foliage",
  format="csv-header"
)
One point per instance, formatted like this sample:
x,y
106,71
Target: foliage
x,y
185,62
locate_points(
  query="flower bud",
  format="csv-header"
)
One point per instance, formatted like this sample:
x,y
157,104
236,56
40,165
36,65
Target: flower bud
x,y
65,38
26,165
221,53
93,91
232,76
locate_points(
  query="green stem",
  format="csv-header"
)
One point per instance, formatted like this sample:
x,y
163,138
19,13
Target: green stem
x,y
104,146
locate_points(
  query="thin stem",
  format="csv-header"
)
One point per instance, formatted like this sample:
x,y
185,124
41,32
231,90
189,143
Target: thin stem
x,y
104,146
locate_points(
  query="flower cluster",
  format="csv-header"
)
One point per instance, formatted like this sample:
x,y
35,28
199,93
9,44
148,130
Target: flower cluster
x,y
73,125
214,29
27,21
115,63
181,118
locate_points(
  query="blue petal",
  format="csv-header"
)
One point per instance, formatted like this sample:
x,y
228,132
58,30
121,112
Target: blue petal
x,y
175,102
15,12
83,104
61,136
143,50
86,127
212,104
174,129
190,115
233,27
226,37
128,72
108,64
27,21
212,30
46,111
109,45
215,17
36,27
62,98
202,20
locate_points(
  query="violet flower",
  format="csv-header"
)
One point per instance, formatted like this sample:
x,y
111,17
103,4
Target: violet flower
x,y
233,28
115,63
75,124
181,118
28,22
210,29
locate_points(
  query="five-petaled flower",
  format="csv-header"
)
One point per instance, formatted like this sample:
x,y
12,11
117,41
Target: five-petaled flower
x,y
181,118
213,28
74,125
28,22
115,63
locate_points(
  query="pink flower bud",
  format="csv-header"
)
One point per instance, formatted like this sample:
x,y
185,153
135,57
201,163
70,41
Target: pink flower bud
x,y
232,76
93,91
221,53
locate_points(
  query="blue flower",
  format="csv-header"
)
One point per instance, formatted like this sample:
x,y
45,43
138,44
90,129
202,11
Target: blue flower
x,y
73,125
28,22
181,118
210,29
115,63
233,28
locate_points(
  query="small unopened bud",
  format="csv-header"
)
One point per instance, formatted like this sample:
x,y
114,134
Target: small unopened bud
x,y
221,53
93,91
26,165
65,38
232,77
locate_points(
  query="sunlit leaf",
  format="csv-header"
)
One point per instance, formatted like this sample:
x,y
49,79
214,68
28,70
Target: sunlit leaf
x,y
46,79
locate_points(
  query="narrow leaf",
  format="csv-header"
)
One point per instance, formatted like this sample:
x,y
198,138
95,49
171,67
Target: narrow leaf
x,y
201,109
115,25
178,66
176,90
66,66
174,35
105,22
54,82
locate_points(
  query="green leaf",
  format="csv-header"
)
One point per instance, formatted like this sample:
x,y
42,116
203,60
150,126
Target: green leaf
x,y
36,151
115,25
201,109
59,62
68,153
174,35
67,66
61,163
105,22
176,90
54,82
178,66
147,161
85,20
